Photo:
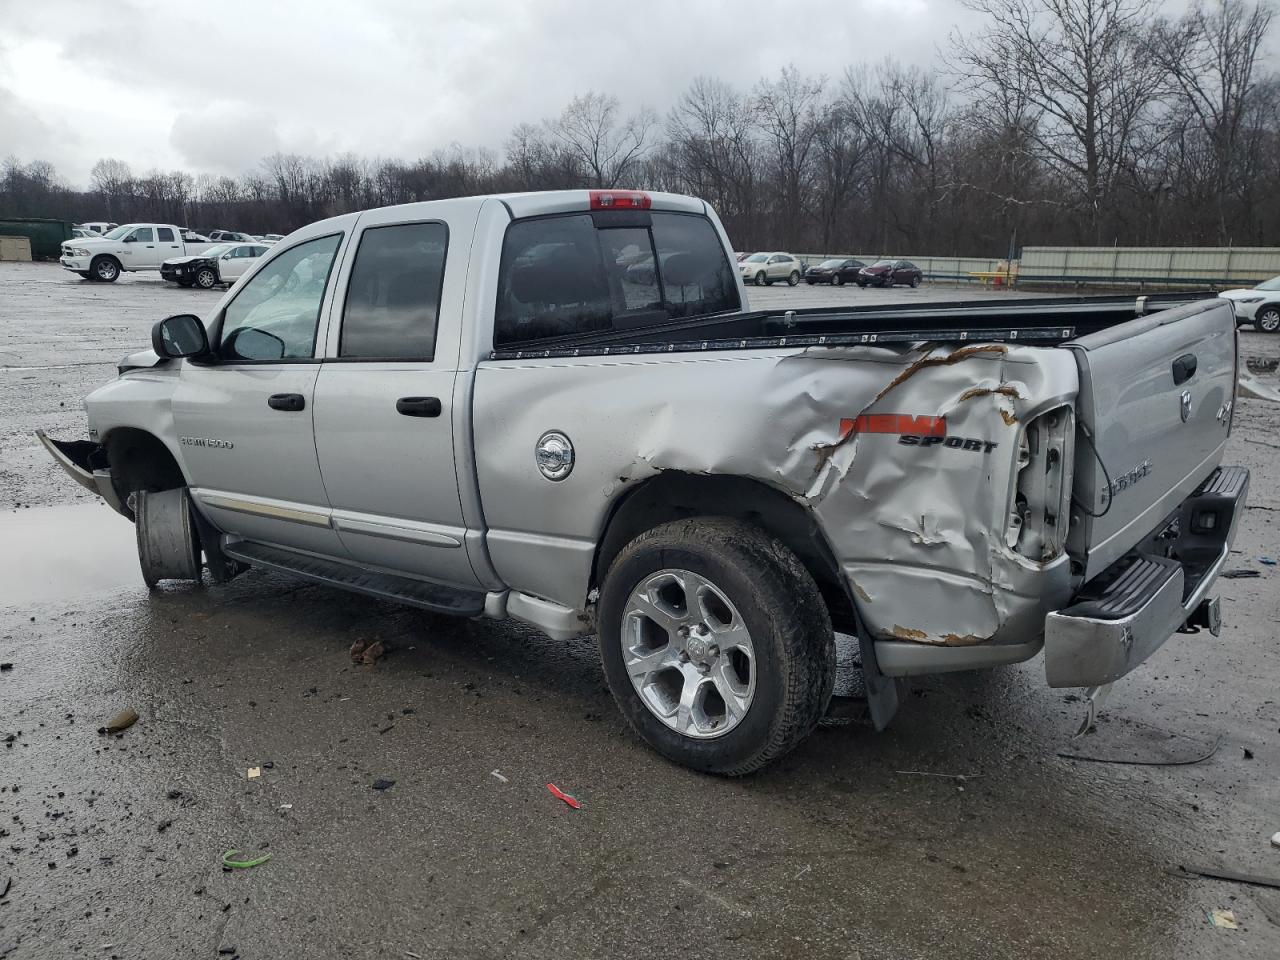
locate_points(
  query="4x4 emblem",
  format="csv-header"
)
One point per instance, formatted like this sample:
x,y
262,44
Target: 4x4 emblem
x,y
1186,405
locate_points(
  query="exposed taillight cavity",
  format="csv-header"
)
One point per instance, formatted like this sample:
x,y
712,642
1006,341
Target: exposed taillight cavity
x,y
620,200
1040,517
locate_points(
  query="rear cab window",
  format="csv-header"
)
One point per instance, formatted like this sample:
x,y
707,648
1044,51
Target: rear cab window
x,y
578,273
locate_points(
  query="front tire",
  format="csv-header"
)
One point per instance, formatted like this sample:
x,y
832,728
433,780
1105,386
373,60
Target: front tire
x,y
1268,320
793,278
106,269
915,281
206,278
761,279
716,644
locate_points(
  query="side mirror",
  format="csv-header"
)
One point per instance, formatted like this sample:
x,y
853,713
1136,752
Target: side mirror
x,y
179,336
226,256
130,239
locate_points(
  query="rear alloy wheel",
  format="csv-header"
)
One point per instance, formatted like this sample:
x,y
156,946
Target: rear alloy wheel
x,y
793,278
206,279
761,279
837,279
1268,320
106,269
716,644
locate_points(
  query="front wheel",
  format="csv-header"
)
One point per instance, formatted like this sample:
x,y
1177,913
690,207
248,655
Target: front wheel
x,y
761,279
106,269
887,282
716,644
206,279
793,278
1268,320
915,281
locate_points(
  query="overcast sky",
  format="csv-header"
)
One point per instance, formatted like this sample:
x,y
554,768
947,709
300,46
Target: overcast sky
x,y
213,87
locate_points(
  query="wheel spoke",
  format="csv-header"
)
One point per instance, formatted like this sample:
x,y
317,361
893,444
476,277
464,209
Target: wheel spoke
x,y
733,637
733,691
668,620
688,696
640,666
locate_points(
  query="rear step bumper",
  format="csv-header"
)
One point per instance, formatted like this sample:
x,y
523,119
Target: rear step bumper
x,y
1127,613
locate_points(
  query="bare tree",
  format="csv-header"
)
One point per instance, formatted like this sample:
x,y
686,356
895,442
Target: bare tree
x,y
788,110
1081,69
1210,57
608,147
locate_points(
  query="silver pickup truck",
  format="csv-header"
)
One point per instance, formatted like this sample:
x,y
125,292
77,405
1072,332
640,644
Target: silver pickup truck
x,y
558,407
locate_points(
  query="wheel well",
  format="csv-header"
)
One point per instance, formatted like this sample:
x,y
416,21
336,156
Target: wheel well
x,y
140,461
673,495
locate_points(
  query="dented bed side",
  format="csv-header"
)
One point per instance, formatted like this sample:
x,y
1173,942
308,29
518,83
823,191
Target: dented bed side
x,y
908,458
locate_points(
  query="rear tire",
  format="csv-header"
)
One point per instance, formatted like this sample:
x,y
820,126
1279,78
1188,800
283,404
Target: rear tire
x,y
733,584
793,278
837,280
105,268
1268,320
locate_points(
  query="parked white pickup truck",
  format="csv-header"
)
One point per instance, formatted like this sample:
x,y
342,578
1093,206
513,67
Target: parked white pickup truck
x,y
133,246
480,406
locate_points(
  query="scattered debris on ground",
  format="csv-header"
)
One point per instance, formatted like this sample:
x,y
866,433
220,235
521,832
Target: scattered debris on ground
x,y
382,783
231,861
253,773
1223,918
1239,574
5,667
1275,839
1141,744
561,795
121,721
962,777
1267,561
497,776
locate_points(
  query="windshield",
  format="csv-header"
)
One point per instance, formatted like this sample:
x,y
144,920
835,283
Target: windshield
x,y
757,258
218,250
884,263
831,263
1272,284
119,232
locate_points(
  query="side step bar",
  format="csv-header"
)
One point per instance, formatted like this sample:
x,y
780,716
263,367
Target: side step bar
x,y
348,576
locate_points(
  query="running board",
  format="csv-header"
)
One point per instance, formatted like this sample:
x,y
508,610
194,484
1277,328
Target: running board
x,y
348,576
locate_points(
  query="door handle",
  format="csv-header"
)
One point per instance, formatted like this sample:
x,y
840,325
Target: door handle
x,y
1184,368
287,401
418,406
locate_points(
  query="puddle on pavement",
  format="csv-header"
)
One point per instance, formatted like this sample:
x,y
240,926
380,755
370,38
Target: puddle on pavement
x,y
52,553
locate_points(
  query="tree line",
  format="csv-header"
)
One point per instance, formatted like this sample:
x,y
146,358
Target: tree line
x,y
1092,122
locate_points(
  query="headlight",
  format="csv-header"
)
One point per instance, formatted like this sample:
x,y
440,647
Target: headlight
x,y
79,252
1251,300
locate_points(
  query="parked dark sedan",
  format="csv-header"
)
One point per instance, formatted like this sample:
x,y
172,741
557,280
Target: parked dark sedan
x,y
834,271
887,273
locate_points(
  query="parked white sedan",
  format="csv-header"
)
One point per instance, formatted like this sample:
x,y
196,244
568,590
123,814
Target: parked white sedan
x,y
1258,305
224,263
764,268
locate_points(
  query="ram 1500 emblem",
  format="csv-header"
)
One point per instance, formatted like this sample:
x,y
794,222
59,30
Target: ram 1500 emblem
x,y
206,442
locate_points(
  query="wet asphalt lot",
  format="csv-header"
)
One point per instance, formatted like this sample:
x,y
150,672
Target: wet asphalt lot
x,y
112,845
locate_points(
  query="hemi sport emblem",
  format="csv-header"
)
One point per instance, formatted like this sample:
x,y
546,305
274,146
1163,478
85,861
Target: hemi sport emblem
x,y
914,431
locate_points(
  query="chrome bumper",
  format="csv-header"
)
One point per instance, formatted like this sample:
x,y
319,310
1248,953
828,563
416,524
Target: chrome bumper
x,y
1131,609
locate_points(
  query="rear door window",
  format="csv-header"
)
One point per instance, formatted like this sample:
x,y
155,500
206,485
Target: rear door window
x,y
393,296
577,274
165,235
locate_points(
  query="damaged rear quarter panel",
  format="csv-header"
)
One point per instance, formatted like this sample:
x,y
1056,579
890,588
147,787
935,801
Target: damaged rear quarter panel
x,y
916,529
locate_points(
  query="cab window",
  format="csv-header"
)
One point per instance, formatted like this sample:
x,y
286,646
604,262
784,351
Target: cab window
x,y
575,274
143,235
164,235
275,315
393,296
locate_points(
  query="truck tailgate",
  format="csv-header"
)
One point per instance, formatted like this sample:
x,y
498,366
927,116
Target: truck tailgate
x,y
1156,396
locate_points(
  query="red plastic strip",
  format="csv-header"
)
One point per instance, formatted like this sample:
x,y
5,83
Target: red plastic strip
x,y
561,795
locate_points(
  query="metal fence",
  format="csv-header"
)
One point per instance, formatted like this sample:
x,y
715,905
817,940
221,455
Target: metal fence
x,y
1157,266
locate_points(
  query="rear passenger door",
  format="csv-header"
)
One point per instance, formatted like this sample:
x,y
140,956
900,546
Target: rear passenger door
x,y
167,245
384,416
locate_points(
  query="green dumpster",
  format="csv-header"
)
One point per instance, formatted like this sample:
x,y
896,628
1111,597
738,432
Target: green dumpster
x,y
46,235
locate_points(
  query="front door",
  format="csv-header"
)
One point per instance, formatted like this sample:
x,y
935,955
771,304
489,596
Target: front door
x,y
140,250
245,422
384,401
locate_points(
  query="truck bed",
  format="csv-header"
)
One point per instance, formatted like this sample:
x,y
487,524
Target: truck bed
x,y
1040,320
